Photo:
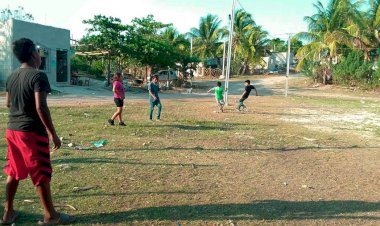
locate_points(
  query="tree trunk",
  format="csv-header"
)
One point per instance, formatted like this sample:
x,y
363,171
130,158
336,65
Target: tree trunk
x,y
146,74
109,70
244,68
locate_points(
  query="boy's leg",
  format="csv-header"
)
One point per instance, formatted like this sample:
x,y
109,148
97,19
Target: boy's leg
x,y
221,105
10,193
241,102
44,193
151,110
159,108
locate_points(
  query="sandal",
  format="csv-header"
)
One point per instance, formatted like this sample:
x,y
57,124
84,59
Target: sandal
x,y
11,221
63,219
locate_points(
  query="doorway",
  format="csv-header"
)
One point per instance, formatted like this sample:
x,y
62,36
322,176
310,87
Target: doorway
x,y
62,75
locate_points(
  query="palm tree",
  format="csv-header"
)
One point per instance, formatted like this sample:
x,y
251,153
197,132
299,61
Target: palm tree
x,y
249,40
374,18
207,37
329,31
252,47
176,39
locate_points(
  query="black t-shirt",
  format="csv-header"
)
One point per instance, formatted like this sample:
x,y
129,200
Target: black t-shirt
x,y
21,86
248,90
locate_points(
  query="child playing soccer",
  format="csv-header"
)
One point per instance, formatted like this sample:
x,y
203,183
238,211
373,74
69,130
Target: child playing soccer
x,y
218,95
119,96
27,135
154,100
247,90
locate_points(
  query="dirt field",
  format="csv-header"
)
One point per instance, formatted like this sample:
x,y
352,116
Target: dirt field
x,y
310,159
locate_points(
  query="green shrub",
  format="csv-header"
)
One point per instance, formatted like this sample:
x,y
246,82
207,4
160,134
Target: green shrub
x,y
354,71
79,63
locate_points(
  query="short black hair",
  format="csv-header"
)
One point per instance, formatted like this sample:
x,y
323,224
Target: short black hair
x,y
248,81
23,49
219,84
153,77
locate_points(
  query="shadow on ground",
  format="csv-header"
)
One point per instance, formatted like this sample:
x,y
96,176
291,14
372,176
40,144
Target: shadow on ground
x,y
261,210
256,149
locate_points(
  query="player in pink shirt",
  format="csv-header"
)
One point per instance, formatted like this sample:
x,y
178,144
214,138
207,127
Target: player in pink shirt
x,y
119,96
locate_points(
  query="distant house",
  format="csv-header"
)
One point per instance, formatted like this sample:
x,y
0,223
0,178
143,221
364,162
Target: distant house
x,y
277,61
54,48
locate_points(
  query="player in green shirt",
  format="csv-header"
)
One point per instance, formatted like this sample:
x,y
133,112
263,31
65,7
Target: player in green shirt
x,y
219,91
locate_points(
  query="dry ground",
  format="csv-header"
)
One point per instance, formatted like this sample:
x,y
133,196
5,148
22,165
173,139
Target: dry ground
x,y
305,160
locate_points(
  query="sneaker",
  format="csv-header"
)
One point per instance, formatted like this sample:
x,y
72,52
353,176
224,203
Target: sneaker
x,y
158,120
111,122
122,124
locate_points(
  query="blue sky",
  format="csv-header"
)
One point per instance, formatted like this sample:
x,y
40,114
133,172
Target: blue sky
x,y
276,16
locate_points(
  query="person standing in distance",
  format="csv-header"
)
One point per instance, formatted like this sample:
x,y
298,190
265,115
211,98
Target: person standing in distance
x,y
154,99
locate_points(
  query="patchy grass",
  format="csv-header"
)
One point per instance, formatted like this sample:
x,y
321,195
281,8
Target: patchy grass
x,y
197,167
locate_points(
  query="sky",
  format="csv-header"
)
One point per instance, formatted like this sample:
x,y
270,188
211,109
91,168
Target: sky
x,y
276,16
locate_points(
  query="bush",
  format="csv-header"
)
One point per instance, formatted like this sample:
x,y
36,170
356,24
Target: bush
x,y
353,70
79,63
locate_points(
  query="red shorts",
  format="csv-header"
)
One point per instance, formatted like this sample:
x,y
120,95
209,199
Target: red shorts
x,y
28,154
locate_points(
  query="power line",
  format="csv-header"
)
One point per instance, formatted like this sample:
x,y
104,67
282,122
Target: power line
x,y
241,6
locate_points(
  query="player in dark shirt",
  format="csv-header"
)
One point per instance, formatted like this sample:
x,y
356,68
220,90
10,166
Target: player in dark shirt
x,y
247,91
28,131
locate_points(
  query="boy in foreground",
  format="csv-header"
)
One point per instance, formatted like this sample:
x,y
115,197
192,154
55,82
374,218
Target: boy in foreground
x,y
218,95
247,90
154,100
29,128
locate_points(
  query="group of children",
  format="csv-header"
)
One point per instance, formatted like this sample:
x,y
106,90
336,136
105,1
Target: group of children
x,y
30,128
154,88
219,91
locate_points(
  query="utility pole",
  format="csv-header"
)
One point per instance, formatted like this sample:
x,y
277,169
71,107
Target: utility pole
x,y
191,46
224,61
230,43
287,68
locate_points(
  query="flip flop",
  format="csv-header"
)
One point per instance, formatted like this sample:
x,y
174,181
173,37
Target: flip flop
x,y
11,221
63,219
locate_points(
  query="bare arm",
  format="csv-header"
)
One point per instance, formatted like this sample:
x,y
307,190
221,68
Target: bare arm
x,y
7,100
209,91
257,93
245,92
44,114
152,95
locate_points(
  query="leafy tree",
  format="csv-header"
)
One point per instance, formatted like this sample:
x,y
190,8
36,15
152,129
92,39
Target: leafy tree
x,y
207,37
182,49
327,33
249,42
278,45
145,43
342,31
18,14
107,34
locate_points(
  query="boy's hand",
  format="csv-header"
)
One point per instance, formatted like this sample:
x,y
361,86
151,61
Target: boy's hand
x,y
56,142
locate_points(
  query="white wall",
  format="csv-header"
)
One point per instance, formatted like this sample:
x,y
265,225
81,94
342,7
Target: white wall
x,y
5,51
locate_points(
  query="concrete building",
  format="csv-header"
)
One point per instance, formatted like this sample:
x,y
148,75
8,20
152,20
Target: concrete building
x,y
277,61
54,48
